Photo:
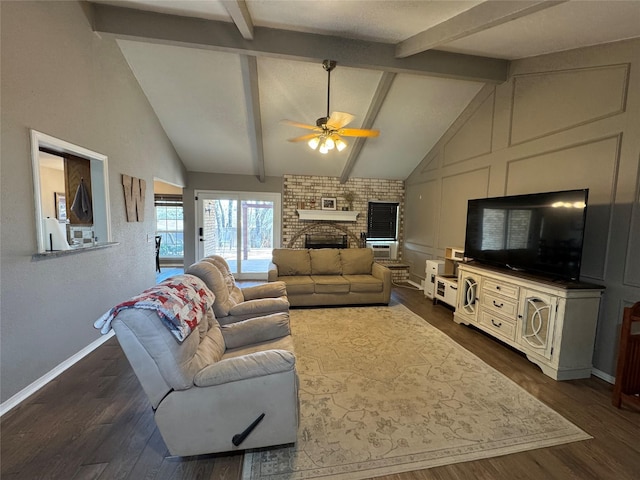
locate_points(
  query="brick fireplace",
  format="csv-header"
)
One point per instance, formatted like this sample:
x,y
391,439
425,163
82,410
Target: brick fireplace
x,y
306,192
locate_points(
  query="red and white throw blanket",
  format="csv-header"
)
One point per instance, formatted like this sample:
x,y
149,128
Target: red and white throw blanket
x,y
181,302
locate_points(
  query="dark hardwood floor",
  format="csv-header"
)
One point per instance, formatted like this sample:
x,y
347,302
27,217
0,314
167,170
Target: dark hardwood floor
x,y
94,422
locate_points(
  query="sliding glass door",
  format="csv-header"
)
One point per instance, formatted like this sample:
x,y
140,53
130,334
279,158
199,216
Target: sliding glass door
x,y
242,227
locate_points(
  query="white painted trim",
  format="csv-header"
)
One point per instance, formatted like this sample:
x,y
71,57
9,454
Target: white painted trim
x,y
47,377
39,139
603,376
333,215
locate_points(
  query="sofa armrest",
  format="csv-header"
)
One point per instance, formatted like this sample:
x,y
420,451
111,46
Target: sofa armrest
x,y
258,364
256,330
381,272
272,273
260,306
266,290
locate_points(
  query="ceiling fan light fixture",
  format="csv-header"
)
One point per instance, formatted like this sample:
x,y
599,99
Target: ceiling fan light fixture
x,y
313,143
329,143
323,146
328,130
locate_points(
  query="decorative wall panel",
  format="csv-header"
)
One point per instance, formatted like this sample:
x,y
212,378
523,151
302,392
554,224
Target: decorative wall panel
x,y
430,164
590,165
473,138
456,191
632,263
420,224
551,102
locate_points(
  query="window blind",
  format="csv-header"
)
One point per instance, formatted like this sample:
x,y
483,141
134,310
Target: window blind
x,y
382,221
168,200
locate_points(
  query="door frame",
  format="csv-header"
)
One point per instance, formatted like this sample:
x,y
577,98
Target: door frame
x,y
239,196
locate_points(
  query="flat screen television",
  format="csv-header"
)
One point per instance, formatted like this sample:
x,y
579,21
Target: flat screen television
x,y
540,233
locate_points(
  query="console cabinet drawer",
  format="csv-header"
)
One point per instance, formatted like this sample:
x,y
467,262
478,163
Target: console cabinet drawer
x,y
505,289
500,304
501,326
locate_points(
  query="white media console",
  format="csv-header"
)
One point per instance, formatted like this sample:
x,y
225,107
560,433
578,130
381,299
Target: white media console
x,y
553,323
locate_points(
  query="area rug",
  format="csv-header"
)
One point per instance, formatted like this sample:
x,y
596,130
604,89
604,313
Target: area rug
x,y
383,392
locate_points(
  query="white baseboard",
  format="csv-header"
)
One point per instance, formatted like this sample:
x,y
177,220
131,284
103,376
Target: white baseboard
x,y
419,287
47,377
603,376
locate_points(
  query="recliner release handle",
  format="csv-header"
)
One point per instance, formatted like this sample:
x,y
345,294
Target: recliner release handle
x,y
241,437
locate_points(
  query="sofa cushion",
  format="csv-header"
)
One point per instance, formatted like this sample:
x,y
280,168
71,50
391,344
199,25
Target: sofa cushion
x,y
212,347
176,362
364,283
235,293
282,343
214,279
298,285
325,261
265,290
256,330
330,284
209,322
253,365
356,261
291,261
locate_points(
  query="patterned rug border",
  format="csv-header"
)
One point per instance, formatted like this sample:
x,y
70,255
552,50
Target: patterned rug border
x,y
437,458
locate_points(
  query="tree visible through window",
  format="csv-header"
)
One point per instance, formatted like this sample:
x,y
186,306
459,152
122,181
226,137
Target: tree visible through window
x,y
170,225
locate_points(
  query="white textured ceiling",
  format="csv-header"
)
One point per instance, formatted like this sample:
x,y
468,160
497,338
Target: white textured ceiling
x,y
200,89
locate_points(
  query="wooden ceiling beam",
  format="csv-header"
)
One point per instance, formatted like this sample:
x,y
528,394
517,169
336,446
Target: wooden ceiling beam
x,y
161,28
374,108
240,15
478,18
249,66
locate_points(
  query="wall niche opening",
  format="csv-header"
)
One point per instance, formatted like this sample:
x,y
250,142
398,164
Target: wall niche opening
x,y
71,195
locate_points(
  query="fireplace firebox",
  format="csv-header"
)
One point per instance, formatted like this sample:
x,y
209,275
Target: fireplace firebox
x,y
325,241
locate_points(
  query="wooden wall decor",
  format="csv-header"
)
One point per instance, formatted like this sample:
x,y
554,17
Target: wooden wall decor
x,y
134,194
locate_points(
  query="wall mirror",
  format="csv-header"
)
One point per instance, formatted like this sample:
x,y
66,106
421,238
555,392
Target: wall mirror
x,y
71,195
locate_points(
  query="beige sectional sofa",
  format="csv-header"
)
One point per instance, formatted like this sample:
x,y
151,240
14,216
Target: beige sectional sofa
x,y
331,276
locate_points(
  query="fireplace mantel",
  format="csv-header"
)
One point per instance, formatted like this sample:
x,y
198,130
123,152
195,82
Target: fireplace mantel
x,y
330,215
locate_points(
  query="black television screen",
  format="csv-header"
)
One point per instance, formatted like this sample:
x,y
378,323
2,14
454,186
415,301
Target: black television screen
x,y
541,233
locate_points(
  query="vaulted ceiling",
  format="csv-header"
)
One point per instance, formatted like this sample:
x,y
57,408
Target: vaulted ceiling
x,y
222,74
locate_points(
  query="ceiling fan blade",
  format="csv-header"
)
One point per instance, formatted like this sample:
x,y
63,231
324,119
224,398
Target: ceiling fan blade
x,y
338,120
303,138
301,125
358,132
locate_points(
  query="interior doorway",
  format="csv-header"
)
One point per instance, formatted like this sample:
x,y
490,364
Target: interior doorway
x,y
169,214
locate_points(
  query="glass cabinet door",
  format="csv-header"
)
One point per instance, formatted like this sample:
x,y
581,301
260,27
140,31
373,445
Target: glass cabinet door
x,y
537,319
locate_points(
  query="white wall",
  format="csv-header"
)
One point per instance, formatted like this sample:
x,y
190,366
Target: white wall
x,y
61,79
561,121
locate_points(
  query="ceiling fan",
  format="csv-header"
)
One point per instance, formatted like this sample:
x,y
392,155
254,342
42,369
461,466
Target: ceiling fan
x,y
328,131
